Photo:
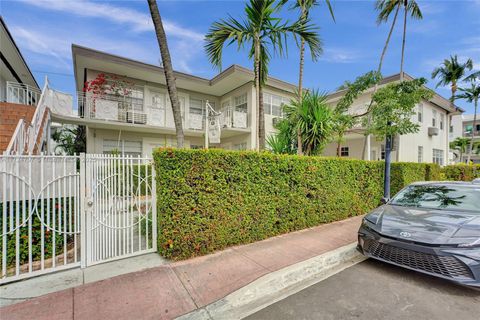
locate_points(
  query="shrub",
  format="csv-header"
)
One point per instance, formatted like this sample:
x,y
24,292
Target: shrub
x,y
209,200
462,172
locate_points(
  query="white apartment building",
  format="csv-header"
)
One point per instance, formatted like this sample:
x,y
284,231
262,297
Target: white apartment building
x,y
462,126
143,119
429,144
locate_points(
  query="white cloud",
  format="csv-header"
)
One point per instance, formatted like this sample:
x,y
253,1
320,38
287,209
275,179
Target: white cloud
x,y
340,55
185,44
139,21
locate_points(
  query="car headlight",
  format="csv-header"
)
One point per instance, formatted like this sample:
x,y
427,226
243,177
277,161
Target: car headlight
x,y
371,218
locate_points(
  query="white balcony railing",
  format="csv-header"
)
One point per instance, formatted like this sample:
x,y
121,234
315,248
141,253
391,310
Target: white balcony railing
x,y
22,93
111,108
230,117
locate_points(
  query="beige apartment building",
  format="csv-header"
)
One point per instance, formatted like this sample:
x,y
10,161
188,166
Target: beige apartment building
x,y
143,119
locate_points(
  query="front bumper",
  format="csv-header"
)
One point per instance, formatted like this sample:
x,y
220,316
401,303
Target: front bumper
x,y
455,264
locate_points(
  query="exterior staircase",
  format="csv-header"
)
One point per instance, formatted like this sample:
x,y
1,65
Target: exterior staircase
x,y
31,133
10,115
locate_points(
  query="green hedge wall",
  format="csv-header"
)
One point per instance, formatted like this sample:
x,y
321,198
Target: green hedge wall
x,y
209,200
462,172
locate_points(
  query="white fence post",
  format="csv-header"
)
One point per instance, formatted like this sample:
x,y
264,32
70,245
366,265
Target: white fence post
x,y
154,206
83,220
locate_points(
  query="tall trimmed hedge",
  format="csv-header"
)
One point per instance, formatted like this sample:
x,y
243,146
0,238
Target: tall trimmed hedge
x,y
209,200
462,172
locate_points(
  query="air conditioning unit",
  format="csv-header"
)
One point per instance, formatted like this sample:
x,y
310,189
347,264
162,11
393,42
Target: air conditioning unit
x,y
432,131
136,117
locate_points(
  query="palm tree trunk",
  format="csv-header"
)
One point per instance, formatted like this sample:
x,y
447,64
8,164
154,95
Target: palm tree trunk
x,y
403,40
473,131
388,39
261,114
454,90
300,93
168,70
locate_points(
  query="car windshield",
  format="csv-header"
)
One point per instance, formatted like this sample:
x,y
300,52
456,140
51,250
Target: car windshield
x,y
443,197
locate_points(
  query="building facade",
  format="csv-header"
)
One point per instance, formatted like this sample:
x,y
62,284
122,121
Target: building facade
x,y
462,126
140,120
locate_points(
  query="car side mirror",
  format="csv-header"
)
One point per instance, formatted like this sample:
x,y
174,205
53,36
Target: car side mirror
x,y
384,200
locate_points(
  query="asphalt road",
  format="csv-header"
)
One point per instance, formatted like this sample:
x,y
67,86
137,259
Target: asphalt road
x,y
374,290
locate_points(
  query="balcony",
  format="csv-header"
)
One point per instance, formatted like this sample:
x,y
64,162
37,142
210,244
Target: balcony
x,y
22,93
111,108
133,110
231,117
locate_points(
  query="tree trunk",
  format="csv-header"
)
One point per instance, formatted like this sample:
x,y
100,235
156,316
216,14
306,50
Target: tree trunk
x,y
473,131
261,114
338,148
379,70
168,70
300,93
388,39
403,40
454,90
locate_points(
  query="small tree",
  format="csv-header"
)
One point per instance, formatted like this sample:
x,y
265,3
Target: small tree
x,y
70,140
460,144
393,107
471,95
344,121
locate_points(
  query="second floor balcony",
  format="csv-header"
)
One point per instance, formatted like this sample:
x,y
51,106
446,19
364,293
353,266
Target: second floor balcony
x,y
135,110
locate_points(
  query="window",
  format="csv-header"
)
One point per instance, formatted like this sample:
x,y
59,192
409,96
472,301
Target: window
x,y
438,156
477,127
382,152
434,118
123,147
469,129
451,126
273,104
196,106
420,154
420,113
196,146
240,103
344,151
441,121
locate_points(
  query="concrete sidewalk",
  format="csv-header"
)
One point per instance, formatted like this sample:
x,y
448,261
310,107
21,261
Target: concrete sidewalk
x,y
175,289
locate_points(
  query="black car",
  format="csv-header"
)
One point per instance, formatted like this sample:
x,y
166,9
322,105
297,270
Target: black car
x,y
430,227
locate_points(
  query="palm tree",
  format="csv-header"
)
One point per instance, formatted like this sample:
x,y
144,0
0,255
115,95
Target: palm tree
x,y
168,70
461,145
263,32
314,118
450,73
386,7
471,94
305,6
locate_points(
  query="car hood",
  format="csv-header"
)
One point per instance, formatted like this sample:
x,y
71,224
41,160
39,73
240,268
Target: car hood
x,y
423,225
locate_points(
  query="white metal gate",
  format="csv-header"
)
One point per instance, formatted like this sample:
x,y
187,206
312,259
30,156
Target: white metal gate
x,y
121,208
59,212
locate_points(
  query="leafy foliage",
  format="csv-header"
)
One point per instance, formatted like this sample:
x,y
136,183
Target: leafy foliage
x,y
393,107
312,118
70,140
462,172
212,199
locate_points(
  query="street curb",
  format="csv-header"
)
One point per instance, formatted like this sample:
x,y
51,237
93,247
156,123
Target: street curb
x,y
278,285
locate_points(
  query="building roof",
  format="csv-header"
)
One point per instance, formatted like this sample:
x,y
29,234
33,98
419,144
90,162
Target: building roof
x,y
14,66
232,77
437,99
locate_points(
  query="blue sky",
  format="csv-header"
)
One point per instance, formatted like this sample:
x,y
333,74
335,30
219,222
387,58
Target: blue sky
x,y
45,30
